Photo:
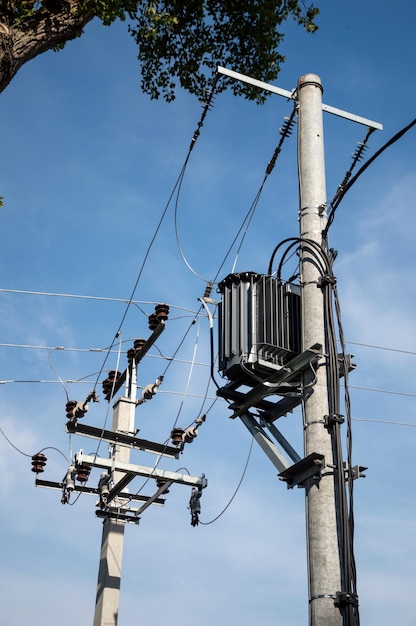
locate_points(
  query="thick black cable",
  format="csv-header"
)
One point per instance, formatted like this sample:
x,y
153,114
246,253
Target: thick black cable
x,y
341,192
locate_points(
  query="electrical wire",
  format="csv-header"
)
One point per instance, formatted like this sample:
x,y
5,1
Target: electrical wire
x,y
57,375
236,489
176,186
342,191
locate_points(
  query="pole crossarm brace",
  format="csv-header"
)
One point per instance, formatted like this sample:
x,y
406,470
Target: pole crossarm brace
x,y
95,491
112,436
274,384
155,496
292,95
269,448
140,470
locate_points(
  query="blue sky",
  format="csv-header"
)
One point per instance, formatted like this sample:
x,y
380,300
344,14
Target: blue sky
x,y
88,164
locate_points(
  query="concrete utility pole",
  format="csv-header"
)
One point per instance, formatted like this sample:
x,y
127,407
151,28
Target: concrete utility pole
x,y
322,540
109,573
323,543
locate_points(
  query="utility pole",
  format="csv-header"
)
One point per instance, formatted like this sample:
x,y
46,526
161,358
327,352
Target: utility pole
x,y
109,573
321,527
315,472
114,504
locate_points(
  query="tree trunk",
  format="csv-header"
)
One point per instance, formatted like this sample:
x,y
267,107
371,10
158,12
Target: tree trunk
x,y
31,35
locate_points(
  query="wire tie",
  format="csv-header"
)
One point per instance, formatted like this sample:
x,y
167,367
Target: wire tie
x,y
322,595
306,424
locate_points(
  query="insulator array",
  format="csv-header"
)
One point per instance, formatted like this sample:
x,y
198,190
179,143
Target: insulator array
x,y
82,472
38,462
177,435
110,382
75,410
160,315
137,346
287,126
358,154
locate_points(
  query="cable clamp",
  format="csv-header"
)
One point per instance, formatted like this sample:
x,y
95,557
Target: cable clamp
x,y
345,598
319,596
320,208
327,279
332,419
307,424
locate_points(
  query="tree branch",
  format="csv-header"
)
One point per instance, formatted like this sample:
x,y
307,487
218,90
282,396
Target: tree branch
x,y
34,34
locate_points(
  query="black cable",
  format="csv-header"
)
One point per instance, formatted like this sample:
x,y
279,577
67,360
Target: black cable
x,y
341,192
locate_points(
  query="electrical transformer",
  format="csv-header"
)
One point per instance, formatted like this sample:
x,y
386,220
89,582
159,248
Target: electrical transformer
x,y
259,326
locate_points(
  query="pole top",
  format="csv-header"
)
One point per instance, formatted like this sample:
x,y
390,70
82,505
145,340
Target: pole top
x,y
310,79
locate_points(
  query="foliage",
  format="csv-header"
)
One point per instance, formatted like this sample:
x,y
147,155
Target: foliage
x,y
180,42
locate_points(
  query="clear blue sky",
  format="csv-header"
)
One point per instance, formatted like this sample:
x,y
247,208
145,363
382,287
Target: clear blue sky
x,y
88,164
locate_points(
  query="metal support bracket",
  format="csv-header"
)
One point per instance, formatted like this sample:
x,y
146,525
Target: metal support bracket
x,y
139,470
269,448
275,384
122,438
309,467
94,491
117,516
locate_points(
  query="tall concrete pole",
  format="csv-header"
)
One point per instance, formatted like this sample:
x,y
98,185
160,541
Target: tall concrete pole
x,y
109,574
322,541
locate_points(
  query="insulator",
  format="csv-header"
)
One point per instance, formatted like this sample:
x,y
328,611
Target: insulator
x,y
207,292
38,462
149,391
70,407
104,487
109,382
195,506
160,482
139,343
131,354
162,312
81,409
190,434
69,482
82,472
177,436
153,321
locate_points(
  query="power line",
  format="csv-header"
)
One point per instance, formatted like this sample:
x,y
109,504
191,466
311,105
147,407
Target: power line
x,y
367,345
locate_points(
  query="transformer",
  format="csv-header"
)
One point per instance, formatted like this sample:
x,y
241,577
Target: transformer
x,y
259,326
